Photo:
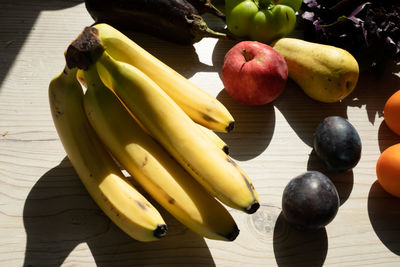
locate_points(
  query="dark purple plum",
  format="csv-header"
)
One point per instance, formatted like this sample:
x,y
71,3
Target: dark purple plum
x,y
310,201
337,144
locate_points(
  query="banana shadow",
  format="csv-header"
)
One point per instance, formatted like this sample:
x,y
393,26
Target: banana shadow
x,y
17,19
384,215
296,248
343,181
59,215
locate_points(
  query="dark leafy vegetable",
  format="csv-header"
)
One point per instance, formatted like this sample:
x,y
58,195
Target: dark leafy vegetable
x,y
370,30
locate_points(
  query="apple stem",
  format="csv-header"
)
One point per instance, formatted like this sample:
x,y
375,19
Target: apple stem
x,y
247,57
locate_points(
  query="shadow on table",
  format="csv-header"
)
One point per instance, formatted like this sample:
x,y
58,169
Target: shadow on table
x,y
180,57
59,215
386,137
296,248
374,89
384,214
303,114
17,19
343,181
254,127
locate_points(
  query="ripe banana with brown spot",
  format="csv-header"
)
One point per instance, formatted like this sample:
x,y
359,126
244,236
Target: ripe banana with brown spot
x,y
207,132
104,181
168,124
152,167
202,107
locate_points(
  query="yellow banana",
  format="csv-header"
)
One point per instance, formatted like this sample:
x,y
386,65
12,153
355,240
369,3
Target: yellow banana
x,y
202,107
105,182
150,165
168,124
214,138
80,75
207,132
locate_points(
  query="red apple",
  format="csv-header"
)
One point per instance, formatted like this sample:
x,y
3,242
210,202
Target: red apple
x,y
254,73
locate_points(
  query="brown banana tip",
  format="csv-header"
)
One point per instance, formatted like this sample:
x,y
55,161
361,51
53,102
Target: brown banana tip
x,y
160,231
232,235
252,208
230,126
226,149
80,53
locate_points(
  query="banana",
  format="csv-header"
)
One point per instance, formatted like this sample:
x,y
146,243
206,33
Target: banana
x,y
104,181
80,75
168,124
207,132
214,138
202,107
152,167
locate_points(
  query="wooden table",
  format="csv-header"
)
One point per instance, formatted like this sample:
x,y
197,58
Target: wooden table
x,y
48,219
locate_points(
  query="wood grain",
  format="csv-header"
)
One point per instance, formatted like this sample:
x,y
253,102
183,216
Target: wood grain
x,y
48,219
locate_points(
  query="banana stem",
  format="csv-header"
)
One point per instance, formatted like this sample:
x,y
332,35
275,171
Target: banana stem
x,y
84,50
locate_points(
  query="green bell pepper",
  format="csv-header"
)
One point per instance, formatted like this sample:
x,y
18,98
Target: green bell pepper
x,y
261,20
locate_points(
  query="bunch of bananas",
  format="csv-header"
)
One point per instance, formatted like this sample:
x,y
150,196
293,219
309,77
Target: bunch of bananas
x,y
139,114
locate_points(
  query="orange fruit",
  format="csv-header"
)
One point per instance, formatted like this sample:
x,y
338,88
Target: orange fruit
x,y
391,112
388,170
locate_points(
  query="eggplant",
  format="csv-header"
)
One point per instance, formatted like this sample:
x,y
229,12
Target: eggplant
x,y
205,6
173,20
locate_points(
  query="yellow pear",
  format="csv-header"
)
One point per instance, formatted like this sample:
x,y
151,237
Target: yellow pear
x,y
325,73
